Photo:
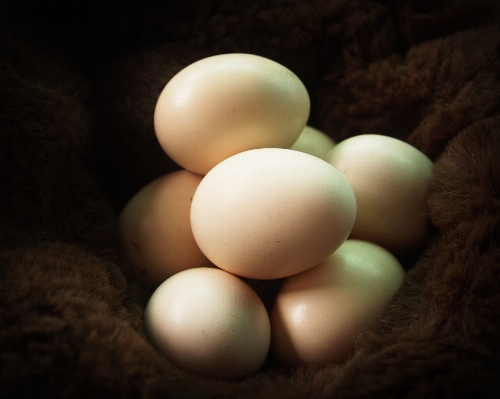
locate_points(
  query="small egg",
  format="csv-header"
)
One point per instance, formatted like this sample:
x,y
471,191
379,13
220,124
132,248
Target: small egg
x,y
229,103
390,180
315,142
156,230
269,213
317,313
211,322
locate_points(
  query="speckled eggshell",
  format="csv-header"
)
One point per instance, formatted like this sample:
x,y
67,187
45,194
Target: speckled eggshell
x,y
156,229
317,313
269,213
390,179
315,142
229,103
211,322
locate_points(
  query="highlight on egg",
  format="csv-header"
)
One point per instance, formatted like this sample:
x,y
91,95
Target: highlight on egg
x,y
229,103
269,213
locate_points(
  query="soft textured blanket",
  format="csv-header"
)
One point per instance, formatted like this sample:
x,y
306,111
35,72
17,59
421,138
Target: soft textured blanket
x,y
78,86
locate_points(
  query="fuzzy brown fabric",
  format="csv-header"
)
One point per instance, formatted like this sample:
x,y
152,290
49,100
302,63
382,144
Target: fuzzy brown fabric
x,y
79,82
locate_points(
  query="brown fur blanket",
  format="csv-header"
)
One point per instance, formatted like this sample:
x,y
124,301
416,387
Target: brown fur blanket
x,y
79,82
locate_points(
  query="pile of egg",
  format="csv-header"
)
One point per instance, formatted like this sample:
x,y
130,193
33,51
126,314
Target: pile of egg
x,y
264,196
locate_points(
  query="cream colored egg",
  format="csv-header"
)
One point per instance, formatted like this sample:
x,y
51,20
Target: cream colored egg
x,y
315,142
269,213
209,321
390,179
318,313
229,103
156,230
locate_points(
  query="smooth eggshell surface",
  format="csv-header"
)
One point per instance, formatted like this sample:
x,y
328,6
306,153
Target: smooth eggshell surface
x,y
270,212
318,312
315,142
229,103
209,321
156,230
390,179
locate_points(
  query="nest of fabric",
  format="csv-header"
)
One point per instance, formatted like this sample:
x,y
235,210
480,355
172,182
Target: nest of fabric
x,y
79,83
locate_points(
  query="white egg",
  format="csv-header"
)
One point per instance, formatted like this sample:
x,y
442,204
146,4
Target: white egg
x,y
390,180
270,212
156,230
229,103
315,142
211,322
318,313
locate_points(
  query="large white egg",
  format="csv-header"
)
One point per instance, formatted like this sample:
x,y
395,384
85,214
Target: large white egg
x,y
229,103
156,230
318,313
209,321
390,179
270,212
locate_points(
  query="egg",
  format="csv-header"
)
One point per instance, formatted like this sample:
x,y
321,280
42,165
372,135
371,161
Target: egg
x,y
317,313
390,179
315,142
269,213
209,321
156,229
228,103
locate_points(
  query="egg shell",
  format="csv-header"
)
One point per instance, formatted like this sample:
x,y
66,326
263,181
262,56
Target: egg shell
x,y
317,313
269,213
156,229
315,142
390,179
211,322
229,103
